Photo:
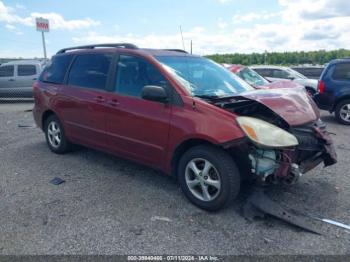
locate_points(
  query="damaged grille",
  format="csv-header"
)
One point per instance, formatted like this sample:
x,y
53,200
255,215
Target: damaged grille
x,y
314,139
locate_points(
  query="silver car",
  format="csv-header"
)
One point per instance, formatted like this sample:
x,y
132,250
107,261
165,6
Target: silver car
x,y
277,73
17,77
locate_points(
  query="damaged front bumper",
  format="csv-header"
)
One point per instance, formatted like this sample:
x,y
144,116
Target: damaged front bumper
x,y
287,165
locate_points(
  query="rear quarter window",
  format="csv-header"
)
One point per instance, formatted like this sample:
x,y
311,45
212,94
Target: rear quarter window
x,y
342,72
55,71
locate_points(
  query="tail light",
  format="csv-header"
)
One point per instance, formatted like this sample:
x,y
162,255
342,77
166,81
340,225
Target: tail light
x,y
321,87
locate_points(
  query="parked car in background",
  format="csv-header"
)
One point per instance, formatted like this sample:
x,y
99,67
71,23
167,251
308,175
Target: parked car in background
x,y
311,72
256,80
199,122
17,77
277,73
334,90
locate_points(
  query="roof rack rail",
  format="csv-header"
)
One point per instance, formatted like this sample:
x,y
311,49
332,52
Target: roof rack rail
x,y
176,50
120,45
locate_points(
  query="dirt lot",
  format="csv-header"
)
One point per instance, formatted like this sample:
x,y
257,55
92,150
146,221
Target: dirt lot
x,y
111,206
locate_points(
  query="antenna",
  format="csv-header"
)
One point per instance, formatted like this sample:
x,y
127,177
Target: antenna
x,y
182,37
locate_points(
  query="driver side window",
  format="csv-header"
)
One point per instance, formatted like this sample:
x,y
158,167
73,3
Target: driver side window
x,y
134,73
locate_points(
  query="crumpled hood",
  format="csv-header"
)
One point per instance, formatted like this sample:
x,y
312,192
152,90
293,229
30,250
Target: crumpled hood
x,y
292,104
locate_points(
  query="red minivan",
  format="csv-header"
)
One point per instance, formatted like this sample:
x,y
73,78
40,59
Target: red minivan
x,y
182,114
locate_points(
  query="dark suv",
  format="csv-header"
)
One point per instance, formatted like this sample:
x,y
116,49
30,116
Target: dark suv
x,y
182,114
334,90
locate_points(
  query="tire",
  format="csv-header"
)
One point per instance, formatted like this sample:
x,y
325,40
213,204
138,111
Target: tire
x,y
342,112
221,172
56,141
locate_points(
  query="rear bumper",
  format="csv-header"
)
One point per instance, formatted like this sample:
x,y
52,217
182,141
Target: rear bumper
x,y
324,101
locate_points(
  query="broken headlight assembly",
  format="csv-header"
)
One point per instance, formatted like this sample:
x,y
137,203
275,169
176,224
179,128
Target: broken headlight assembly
x,y
264,134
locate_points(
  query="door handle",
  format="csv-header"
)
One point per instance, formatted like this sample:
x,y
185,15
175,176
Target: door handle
x,y
113,102
11,79
99,99
34,78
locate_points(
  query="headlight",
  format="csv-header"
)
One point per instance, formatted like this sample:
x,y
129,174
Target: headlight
x,y
266,134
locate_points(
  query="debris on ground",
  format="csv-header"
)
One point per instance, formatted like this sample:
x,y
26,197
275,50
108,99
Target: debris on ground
x,y
26,126
258,205
334,223
157,218
267,240
57,181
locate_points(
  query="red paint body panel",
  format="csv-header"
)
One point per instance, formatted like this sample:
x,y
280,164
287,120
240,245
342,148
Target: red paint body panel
x,y
293,105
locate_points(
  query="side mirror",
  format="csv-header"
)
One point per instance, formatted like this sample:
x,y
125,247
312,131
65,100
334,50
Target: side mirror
x,y
291,78
155,93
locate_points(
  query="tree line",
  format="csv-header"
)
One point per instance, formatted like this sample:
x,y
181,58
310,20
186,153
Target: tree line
x,y
319,57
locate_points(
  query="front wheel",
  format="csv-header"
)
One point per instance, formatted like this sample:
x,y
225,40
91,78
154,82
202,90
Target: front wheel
x,y
209,177
342,112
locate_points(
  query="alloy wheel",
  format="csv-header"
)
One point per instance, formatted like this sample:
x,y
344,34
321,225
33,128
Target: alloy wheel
x,y
202,179
54,134
345,112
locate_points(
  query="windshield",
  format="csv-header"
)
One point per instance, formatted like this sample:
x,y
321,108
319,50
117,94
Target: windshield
x,y
252,77
296,74
203,77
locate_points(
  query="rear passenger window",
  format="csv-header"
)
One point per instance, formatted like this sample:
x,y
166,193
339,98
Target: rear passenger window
x,y
56,70
342,72
134,73
90,70
7,71
26,70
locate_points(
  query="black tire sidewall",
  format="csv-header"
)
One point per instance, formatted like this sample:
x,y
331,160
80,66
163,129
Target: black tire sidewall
x,y
64,145
224,164
337,111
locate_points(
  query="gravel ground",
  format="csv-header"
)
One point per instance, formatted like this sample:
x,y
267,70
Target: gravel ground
x,y
112,206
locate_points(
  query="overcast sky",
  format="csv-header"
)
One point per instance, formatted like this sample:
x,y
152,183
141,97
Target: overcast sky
x,y
215,26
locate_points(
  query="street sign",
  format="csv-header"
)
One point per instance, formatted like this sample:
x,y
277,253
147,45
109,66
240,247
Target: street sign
x,y
42,24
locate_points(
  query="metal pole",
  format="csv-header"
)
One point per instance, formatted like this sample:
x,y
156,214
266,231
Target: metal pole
x,y
44,45
182,37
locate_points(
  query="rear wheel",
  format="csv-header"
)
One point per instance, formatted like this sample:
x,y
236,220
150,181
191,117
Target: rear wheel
x,y
55,136
342,112
208,177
